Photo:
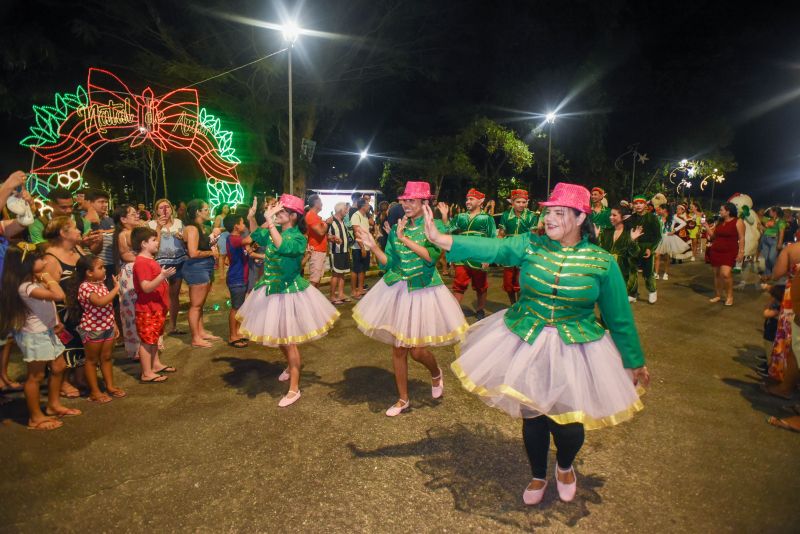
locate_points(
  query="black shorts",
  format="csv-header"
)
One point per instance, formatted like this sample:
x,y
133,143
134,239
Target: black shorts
x,y
340,262
360,263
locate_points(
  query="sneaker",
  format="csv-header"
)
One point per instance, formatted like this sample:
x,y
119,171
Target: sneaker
x,y
692,258
632,299
652,297
657,277
665,277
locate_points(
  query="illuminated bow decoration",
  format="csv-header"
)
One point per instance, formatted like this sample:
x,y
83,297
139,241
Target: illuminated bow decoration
x,y
114,114
26,247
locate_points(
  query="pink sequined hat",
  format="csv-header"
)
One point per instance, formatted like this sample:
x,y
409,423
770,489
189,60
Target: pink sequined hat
x,y
570,196
414,190
291,202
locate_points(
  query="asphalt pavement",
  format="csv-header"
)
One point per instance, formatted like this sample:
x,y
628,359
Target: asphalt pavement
x,y
210,451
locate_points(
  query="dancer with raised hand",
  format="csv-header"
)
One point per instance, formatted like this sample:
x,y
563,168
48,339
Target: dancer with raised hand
x,y
284,310
410,308
547,359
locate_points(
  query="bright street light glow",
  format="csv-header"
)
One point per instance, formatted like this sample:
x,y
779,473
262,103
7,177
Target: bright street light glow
x,y
290,32
684,162
550,117
363,154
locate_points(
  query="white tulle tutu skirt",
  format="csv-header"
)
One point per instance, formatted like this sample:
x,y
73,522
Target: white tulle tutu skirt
x,y
424,317
286,318
570,383
673,245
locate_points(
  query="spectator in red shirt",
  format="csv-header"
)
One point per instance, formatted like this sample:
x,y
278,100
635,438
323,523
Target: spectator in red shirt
x,y
317,240
152,302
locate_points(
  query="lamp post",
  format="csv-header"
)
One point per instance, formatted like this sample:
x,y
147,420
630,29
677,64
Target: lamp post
x,y
290,32
551,119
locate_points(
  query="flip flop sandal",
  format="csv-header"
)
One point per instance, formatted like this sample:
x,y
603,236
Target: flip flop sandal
x,y
167,369
39,425
69,412
70,395
239,343
102,400
337,302
780,423
155,380
118,394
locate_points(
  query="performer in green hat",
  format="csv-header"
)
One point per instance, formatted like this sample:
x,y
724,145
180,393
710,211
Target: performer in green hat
x,y
647,246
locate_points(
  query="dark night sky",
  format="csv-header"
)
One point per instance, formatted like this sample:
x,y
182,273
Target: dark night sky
x,y
680,78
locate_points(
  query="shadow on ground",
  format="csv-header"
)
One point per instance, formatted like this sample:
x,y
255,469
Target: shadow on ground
x,y
485,472
253,376
751,389
376,388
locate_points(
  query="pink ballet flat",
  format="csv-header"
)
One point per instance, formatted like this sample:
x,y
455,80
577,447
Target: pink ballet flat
x,y
438,391
566,492
397,410
284,376
531,497
289,399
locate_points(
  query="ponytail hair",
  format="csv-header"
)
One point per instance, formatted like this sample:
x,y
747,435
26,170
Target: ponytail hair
x,y
17,269
84,264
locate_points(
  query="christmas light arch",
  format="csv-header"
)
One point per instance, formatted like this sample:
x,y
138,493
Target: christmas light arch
x,y
67,134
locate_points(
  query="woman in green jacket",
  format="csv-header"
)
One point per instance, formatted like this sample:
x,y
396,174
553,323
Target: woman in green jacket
x,y
622,244
283,310
547,359
410,308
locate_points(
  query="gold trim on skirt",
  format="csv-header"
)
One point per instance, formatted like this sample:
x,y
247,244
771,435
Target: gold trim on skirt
x,y
446,339
291,340
589,422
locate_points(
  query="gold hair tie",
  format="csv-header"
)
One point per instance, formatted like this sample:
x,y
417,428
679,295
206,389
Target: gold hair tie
x,y
26,247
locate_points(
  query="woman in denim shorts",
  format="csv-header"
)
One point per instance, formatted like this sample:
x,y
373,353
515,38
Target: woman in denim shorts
x,y
198,269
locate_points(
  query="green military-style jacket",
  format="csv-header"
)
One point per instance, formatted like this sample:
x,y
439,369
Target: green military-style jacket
x,y
513,225
624,249
652,230
602,218
283,272
404,264
480,225
560,287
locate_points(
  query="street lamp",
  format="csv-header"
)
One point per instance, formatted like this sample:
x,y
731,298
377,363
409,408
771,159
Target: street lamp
x,y
363,155
290,32
551,119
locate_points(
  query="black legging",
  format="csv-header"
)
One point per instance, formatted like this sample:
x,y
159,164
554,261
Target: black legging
x,y
536,435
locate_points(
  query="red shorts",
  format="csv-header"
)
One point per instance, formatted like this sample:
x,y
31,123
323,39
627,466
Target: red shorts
x,y
150,326
465,275
511,279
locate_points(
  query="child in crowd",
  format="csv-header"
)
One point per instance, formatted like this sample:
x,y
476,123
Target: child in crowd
x,y
152,302
771,312
29,312
97,328
238,275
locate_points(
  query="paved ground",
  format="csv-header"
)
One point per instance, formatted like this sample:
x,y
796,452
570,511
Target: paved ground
x,y
211,451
